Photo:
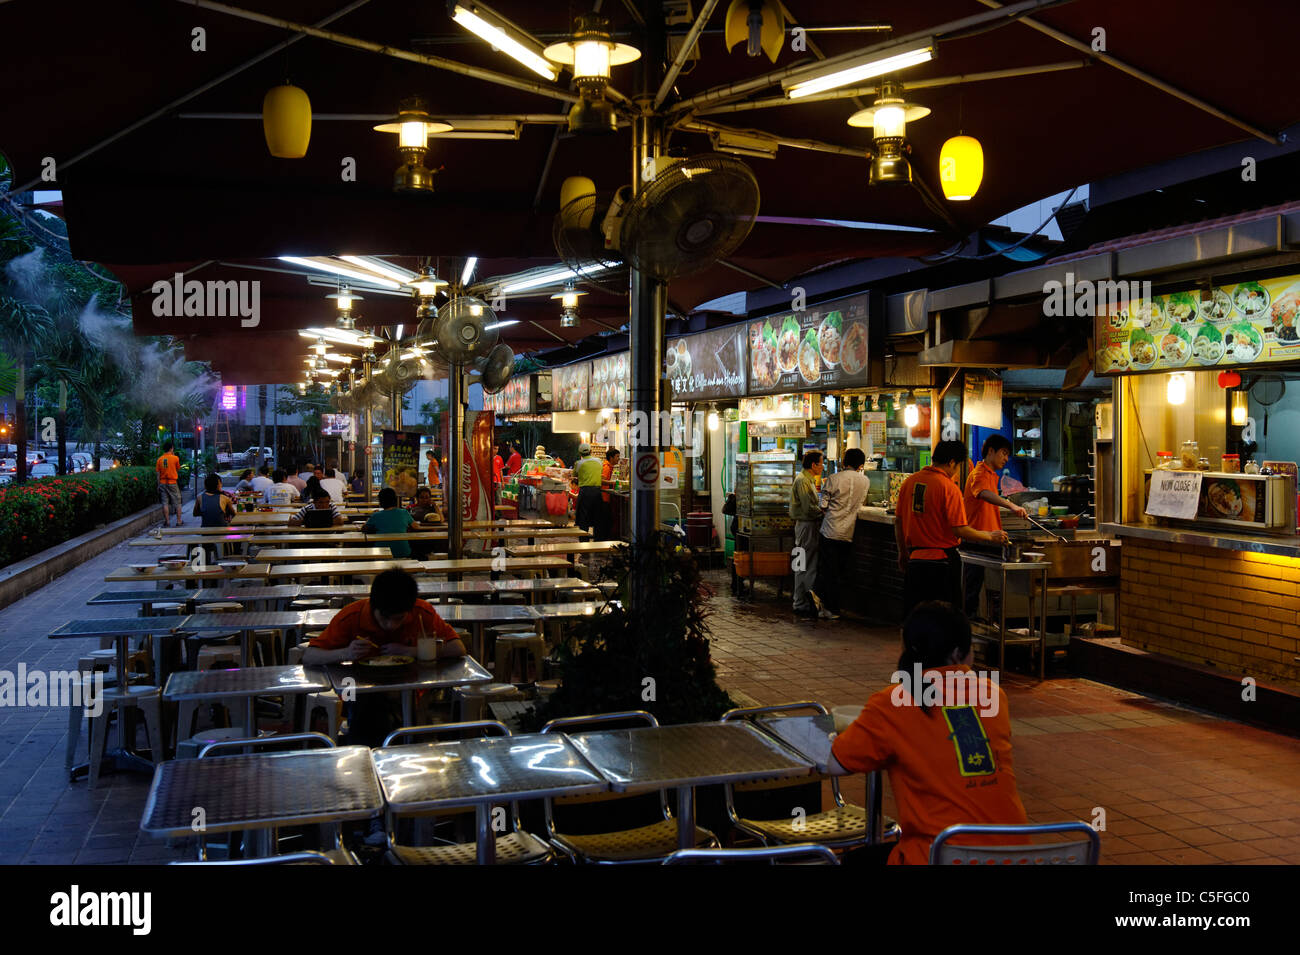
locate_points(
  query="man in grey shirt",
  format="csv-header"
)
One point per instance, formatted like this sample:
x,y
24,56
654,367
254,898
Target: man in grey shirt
x,y
807,514
846,492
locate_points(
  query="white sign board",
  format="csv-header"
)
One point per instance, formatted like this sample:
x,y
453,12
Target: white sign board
x,y
645,471
668,479
1174,494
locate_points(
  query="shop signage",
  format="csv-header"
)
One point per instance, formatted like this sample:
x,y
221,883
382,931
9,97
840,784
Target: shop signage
x,y
519,396
778,429
569,387
823,347
778,407
1174,494
1241,324
610,377
708,365
981,402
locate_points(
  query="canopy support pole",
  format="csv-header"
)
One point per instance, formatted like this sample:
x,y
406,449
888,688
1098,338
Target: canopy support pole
x,y
452,478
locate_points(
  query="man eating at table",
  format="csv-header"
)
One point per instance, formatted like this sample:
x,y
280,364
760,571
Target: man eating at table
x,y
390,621
320,501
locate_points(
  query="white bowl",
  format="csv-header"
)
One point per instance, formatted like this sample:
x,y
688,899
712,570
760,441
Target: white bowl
x,y
233,564
174,564
142,568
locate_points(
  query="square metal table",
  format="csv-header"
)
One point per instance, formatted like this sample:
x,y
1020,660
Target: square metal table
x,y
276,594
248,683
477,616
433,777
248,621
262,791
361,568
293,555
435,675
144,598
119,628
682,757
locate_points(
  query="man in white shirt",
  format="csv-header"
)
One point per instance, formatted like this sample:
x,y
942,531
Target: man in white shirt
x,y
263,479
331,483
846,492
281,492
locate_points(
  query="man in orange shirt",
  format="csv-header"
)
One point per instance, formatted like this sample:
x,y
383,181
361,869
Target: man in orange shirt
x,y
982,504
168,467
929,524
390,621
948,758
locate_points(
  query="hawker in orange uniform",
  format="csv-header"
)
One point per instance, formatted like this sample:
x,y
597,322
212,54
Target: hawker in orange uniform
x,y
949,760
929,524
983,504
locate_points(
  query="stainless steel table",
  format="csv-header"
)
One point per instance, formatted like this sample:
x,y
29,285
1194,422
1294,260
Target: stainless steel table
x,y
434,777
439,675
342,568
291,555
262,791
247,622
120,628
248,683
144,598
685,756
1004,568
278,594
477,616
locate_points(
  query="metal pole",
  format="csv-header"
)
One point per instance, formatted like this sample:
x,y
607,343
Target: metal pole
x,y
648,295
367,369
452,479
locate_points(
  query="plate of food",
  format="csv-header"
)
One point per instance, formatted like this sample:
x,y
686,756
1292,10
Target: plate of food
x,y
1250,299
810,366
853,348
1142,349
1207,346
829,340
385,666
1150,314
1242,342
1224,498
1181,308
1285,312
1176,346
762,359
787,345
232,564
1112,358
174,564
1218,308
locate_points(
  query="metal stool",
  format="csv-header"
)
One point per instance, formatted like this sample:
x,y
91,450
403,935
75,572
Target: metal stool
x,y
509,646
148,699
469,702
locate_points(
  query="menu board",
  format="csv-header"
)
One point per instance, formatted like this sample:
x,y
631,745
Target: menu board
x,y
569,386
708,365
823,347
1241,324
783,407
517,397
610,378
982,401
402,462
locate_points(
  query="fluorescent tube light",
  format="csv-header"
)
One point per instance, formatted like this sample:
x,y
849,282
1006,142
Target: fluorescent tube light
x,y
327,266
501,34
829,78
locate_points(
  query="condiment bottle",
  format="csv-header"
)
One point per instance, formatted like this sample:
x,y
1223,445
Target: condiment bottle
x,y
1164,460
1231,464
1252,467
1190,456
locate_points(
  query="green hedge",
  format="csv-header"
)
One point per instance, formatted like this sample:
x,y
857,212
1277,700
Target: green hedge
x,y
49,511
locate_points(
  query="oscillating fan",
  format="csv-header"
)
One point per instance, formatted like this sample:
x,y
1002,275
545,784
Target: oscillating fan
x,y
586,232
694,212
399,376
464,330
497,368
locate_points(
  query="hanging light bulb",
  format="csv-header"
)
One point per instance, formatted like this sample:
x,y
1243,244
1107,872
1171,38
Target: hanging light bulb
x,y
1176,390
320,348
344,299
568,305
412,126
911,413
592,52
286,121
1239,409
888,117
961,167
712,420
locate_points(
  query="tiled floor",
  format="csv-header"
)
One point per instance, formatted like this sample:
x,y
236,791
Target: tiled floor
x,y
1176,786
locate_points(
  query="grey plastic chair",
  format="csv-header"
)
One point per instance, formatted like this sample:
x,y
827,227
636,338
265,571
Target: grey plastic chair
x,y
805,853
1085,851
845,826
515,847
643,844
289,858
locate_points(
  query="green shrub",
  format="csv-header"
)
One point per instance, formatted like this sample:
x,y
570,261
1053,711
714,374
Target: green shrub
x,y
49,511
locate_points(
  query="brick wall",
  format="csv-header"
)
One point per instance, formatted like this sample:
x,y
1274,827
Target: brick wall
x,y
1236,612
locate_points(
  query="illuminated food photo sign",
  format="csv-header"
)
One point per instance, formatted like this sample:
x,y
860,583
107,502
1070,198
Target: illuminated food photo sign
x,y
610,379
708,365
517,397
1240,324
569,387
824,347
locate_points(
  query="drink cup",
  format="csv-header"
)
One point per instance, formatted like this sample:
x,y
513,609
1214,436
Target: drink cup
x,y
427,649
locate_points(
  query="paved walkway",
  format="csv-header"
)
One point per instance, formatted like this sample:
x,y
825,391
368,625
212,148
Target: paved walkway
x,y
1177,786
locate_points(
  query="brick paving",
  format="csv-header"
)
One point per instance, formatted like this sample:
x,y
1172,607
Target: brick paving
x,y
1177,786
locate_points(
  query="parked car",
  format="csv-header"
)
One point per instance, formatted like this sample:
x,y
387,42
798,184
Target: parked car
x,y
42,469
8,465
79,461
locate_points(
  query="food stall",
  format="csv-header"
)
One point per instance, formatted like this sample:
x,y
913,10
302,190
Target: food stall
x,y
1207,405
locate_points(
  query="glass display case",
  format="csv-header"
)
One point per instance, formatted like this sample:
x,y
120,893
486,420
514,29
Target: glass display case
x,y
763,481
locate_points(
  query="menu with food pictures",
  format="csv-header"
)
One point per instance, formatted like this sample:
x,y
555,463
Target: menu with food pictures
x,y
569,387
708,365
517,397
402,462
823,347
1239,324
610,380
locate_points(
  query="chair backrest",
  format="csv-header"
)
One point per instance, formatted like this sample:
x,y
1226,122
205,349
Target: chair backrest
x,y
291,858
1084,851
799,853
752,713
599,721
447,731
308,741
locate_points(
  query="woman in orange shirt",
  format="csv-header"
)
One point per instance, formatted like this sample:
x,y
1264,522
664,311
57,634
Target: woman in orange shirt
x,y
942,733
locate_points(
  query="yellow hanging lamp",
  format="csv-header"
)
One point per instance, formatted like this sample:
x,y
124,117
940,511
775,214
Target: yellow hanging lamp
x,y
961,167
286,121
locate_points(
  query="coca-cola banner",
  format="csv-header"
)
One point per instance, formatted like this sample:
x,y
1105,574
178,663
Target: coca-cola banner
x,y
475,472
708,365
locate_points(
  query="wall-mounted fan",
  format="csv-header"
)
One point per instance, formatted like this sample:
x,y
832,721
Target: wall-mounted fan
x,y
586,234
464,330
696,211
397,376
497,368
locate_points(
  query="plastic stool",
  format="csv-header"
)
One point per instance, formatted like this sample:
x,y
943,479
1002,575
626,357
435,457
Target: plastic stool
x,y
219,653
223,607
470,701
148,699
330,702
294,656
309,603
190,748
509,645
